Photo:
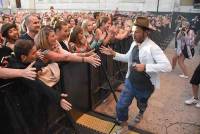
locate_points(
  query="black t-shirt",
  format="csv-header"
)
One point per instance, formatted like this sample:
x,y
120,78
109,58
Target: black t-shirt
x,y
5,51
26,37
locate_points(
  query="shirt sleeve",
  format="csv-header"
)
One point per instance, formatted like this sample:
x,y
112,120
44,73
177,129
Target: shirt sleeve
x,y
161,62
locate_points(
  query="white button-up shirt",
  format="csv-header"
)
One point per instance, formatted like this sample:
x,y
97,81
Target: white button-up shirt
x,y
152,56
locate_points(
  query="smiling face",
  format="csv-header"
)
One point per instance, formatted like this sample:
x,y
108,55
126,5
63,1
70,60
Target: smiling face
x,y
72,22
52,39
107,24
13,34
90,26
33,24
80,35
63,33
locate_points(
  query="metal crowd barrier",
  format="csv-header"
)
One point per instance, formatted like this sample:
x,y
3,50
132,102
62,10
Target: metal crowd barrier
x,y
88,86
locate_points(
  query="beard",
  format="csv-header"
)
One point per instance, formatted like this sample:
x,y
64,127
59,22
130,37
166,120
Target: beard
x,y
138,40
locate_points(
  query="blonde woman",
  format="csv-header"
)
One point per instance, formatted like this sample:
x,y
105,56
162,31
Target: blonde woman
x,y
46,40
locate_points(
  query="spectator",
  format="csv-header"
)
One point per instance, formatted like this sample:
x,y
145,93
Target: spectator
x,y
8,73
185,44
62,32
32,25
79,41
25,52
46,38
195,88
104,29
10,34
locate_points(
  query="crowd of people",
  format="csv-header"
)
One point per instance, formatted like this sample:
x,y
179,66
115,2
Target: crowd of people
x,y
33,45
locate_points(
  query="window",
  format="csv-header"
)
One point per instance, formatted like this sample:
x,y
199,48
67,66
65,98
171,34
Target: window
x,y
196,4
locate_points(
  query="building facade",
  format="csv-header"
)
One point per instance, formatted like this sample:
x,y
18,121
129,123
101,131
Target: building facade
x,y
109,5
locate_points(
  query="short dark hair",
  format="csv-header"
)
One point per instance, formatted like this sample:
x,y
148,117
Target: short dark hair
x,y
59,24
22,47
6,27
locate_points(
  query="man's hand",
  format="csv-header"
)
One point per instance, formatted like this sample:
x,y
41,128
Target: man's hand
x,y
107,51
139,67
29,72
65,104
39,54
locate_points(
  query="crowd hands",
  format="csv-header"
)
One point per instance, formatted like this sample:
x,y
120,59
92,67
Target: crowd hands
x,y
63,37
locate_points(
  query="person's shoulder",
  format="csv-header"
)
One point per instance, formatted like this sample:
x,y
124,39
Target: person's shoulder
x,y
152,44
22,36
14,63
25,36
150,41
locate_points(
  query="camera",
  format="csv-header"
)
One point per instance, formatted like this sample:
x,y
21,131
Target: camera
x,y
39,64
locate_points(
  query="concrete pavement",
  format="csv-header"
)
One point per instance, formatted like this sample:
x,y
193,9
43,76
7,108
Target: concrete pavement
x,y
167,113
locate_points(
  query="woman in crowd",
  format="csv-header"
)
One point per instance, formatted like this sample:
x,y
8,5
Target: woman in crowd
x,y
185,44
47,38
124,30
88,30
72,22
104,29
78,41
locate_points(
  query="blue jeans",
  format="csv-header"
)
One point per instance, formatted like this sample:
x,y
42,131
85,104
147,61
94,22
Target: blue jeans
x,y
126,98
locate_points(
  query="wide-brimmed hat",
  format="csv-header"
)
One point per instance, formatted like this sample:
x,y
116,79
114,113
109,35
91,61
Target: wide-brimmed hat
x,y
5,27
143,22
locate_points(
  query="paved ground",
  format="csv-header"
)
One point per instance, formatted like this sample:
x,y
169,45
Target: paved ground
x,y
167,113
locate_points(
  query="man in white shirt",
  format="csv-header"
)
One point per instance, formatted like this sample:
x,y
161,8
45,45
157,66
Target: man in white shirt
x,y
145,61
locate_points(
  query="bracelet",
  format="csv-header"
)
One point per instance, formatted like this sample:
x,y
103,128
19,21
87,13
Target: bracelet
x,y
83,60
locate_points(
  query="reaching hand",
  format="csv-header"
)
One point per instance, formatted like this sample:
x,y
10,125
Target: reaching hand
x,y
107,51
94,60
89,38
89,53
29,72
39,54
102,36
65,104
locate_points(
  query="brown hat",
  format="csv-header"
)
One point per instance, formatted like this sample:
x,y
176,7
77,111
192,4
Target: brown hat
x,y
143,22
